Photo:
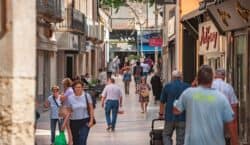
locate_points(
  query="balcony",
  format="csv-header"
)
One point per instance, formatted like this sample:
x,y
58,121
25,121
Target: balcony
x,y
50,10
74,21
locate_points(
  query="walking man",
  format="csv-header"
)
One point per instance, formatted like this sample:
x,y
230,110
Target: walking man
x,y
225,88
207,112
112,97
170,93
137,73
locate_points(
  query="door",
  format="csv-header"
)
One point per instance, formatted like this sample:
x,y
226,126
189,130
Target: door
x,y
69,66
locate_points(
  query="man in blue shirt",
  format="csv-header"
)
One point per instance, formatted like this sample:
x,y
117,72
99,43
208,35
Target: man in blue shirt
x,y
170,93
207,111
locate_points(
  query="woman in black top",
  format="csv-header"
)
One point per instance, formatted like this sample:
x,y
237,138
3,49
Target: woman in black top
x,y
156,86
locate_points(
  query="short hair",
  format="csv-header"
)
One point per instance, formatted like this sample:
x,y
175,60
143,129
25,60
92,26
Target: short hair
x,y
76,82
55,87
112,80
220,72
138,63
100,69
67,82
205,75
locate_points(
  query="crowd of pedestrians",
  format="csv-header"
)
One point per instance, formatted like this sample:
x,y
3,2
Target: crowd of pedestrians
x,y
201,113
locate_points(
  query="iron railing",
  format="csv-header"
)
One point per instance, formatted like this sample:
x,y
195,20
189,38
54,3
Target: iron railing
x,y
51,10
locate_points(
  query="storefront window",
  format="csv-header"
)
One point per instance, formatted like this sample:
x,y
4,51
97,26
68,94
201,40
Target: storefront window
x,y
240,80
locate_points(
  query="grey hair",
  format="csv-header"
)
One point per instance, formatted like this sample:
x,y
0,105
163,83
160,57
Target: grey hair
x,y
220,72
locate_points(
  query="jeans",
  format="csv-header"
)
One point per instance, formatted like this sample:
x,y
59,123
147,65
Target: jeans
x,y
126,86
168,133
80,131
53,123
111,106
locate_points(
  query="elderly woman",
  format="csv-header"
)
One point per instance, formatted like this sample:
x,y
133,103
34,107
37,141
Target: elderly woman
x,y
53,102
82,116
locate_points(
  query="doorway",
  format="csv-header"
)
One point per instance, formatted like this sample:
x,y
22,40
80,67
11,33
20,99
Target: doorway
x,y
69,66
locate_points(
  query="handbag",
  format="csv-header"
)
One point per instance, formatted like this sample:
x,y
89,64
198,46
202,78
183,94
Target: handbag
x,y
60,139
145,93
88,109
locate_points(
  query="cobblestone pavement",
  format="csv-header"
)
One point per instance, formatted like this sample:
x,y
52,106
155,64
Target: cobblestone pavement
x,y
132,127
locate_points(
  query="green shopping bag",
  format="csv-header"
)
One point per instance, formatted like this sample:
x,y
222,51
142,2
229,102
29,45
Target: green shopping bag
x,y
60,139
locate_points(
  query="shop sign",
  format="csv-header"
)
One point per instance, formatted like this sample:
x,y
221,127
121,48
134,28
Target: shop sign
x,y
156,42
171,26
208,37
231,15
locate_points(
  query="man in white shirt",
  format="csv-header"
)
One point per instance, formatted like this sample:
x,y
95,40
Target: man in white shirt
x,y
145,68
112,97
225,88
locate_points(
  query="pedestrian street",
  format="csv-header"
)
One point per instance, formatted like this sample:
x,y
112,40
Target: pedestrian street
x,y
133,127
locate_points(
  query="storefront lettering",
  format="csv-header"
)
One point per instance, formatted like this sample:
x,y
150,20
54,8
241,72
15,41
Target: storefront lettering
x,y
224,16
208,37
242,11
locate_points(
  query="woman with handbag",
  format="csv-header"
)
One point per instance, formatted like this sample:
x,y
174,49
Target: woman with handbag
x,y
144,92
82,116
53,102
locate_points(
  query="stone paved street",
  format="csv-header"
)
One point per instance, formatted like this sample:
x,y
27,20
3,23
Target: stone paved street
x,y
132,128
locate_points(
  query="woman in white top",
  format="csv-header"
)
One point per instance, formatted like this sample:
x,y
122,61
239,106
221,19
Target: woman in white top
x,y
66,110
53,102
82,116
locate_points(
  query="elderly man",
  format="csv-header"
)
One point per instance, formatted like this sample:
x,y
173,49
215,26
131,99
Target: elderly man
x,y
207,112
170,93
112,95
225,88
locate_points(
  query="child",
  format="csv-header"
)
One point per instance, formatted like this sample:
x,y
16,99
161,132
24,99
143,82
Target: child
x,y
144,90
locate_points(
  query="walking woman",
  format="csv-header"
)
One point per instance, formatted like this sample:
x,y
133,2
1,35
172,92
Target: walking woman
x,y
156,86
53,102
82,117
66,109
144,92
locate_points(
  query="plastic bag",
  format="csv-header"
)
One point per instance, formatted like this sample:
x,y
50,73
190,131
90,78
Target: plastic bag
x,y
60,139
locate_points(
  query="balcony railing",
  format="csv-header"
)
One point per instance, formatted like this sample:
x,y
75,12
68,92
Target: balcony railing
x,y
74,21
51,10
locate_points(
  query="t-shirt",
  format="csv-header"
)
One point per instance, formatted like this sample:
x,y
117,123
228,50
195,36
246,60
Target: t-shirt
x,y
53,107
67,93
170,93
226,89
112,92
206,112
145,67
79,106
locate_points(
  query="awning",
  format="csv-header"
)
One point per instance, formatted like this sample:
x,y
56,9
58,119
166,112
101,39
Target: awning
x,y
150,49
231,15
191,21
192,14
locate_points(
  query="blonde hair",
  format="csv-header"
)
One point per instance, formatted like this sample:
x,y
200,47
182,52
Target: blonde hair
x,y
67,82
55,87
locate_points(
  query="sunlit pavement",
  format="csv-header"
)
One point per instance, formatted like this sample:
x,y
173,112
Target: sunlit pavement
x,y
132,127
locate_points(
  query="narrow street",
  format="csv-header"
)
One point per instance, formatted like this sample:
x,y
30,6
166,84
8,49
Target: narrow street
x,y
132,127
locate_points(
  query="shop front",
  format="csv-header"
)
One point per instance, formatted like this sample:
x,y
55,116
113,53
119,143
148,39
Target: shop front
x,y
211,46
232,17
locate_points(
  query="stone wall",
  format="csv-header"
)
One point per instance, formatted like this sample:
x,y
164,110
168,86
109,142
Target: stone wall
x,y
17,74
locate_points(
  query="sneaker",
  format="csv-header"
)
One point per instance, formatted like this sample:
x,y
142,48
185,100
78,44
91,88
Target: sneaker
x,y
109,128
113,129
